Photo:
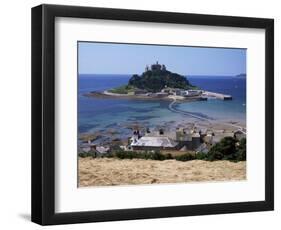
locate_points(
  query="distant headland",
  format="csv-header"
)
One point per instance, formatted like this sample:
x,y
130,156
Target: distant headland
x,y
241,75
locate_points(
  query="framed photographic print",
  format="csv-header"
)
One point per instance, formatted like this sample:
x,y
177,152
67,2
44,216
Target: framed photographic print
x,y
142,114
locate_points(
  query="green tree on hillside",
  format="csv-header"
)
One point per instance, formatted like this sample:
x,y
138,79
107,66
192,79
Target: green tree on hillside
x,y
241,153
156,80
226,149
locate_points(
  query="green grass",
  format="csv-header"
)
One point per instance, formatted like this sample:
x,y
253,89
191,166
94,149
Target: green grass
x,y
124,89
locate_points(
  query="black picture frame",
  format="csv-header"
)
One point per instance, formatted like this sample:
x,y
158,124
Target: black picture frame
x,y
43,114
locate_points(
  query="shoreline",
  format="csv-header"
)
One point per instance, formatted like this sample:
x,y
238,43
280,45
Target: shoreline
x,y
107,94
188,119
114,134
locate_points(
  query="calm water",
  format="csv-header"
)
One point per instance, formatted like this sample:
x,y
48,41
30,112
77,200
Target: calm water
x,y
117,114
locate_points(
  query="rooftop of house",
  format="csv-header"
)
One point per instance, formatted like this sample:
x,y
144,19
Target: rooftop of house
x,y
155,141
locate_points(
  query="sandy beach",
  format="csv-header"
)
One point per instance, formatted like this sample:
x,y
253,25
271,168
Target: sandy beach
x,y
110,171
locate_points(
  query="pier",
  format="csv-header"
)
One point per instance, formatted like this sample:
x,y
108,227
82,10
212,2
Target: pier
x,y
217,95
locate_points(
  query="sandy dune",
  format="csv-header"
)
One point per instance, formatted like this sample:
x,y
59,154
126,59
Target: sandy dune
x,y
108,171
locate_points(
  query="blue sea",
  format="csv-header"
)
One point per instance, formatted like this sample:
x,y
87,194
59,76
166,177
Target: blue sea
x,y
103,114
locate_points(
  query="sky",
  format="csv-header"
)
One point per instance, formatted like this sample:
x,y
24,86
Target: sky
x,y
110,58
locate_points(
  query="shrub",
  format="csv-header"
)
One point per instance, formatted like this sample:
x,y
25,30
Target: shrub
x,y
241,153
227,146
169,156
87,154
108,155
201,156
146,155
158,156
215,153
185,157
227,149
126,154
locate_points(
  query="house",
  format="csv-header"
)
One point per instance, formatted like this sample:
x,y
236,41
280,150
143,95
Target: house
x,y
239,135
102,150
153,143
171,91
177,92
161,94
87,147
93,148
167,90
196,140
140,91
218,136
188,138
183,135
207,135
203,148
181,92
192,93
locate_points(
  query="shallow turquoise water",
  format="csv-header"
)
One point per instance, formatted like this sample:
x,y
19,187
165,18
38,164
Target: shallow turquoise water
x,y
97,114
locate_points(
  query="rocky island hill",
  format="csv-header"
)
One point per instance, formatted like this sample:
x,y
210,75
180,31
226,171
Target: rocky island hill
x,y
154,79
159,83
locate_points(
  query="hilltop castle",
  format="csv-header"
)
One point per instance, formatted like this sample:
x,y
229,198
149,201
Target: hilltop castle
x,y
155,67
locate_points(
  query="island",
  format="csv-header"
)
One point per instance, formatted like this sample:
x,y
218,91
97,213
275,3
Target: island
x,y
241,75
156,82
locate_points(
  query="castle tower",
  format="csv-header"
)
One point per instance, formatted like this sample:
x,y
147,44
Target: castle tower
x,y
156,66
146,68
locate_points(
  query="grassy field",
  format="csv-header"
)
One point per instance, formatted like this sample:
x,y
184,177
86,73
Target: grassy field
x,y
112,171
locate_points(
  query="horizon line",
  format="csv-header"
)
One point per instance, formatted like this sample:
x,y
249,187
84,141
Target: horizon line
x,y
186,75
